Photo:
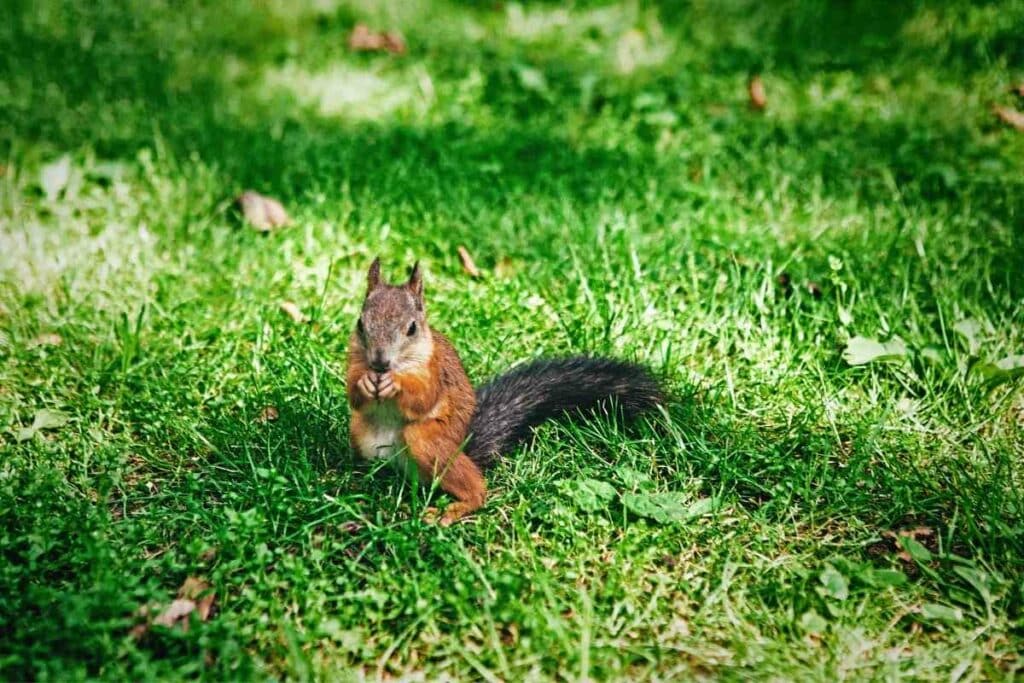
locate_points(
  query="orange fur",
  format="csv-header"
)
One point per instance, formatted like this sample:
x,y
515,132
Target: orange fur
x,y
417,394
436,403
438,456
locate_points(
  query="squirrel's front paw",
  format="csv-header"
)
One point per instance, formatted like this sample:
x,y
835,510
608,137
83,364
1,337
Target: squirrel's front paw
x,y
386,387
453,513
367,387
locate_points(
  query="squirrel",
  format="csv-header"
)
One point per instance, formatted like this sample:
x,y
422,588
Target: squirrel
x,y
411,397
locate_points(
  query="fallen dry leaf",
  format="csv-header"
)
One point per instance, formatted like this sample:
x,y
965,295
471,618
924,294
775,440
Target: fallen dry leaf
x,y
350,527
1010,117
268,414
918,532
505,267
755,88
262,213
176,613
200,592
812,639
922,534
510,634
47,339
467,262
294,312
362,39
42,420
195,595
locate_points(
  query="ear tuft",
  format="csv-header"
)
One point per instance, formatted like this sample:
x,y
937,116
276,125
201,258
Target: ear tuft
x,y
373,276
415,283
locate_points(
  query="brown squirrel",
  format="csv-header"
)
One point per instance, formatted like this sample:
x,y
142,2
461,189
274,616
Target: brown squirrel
x,y
411,397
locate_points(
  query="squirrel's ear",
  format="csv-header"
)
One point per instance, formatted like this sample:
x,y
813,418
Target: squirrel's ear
x,y
415,283
373,276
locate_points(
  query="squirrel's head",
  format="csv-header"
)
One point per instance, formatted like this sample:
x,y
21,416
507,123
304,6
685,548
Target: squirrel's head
x,y
392,329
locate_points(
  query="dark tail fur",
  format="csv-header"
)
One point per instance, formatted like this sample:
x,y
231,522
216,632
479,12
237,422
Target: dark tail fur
x,y
509,406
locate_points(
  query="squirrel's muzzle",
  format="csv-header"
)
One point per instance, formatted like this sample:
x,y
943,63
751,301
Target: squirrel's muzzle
x,y
379,362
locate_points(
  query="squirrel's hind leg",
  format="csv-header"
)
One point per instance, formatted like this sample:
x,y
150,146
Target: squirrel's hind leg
x,y
438,458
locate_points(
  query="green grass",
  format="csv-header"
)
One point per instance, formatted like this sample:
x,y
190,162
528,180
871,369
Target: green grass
x,y
602,165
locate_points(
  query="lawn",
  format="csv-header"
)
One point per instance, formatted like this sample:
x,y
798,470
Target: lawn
x,y
831,289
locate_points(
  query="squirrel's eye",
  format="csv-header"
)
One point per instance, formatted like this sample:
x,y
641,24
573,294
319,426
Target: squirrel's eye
x,y
412,328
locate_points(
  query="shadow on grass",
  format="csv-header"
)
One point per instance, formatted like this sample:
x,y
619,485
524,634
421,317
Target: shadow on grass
x,y
123,90
288,468
798,38
864,475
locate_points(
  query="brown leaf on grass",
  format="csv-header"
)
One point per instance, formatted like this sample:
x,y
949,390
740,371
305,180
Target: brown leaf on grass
x,y
922,534
917,533
268,414
293,312
505,267
510,634
363,39
176,613
195,595
394,43
467,262
48,339
1011,117
755,88
350,527
812,639
262,213
200,592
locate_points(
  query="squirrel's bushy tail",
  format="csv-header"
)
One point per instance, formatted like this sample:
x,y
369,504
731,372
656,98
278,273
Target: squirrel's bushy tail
x,y
509,406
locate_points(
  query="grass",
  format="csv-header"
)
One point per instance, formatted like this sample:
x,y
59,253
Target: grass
x,y
601,163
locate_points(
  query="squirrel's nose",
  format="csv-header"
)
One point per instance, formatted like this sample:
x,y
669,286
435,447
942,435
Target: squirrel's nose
x,y
379,363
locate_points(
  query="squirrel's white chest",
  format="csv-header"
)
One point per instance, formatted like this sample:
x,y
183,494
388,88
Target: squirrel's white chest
x,y
382,433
